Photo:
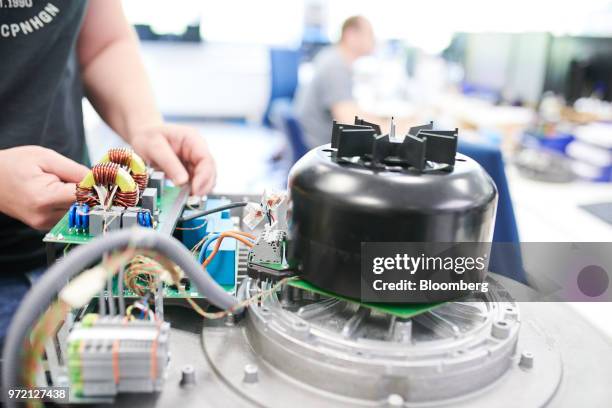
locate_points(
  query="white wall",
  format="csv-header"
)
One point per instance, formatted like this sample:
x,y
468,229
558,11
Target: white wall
x,y
209,80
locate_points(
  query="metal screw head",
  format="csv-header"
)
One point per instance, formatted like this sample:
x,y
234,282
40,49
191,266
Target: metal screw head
x,y
251,374
188,375
526,360
230,319
500,329
395,400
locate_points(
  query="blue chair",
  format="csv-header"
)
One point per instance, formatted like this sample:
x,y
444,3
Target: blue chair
x,y
284,65
505,259
283,118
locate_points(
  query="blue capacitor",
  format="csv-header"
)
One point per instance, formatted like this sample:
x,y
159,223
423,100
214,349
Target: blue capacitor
x,y
149,220
78,219
140,219
72,216
85,215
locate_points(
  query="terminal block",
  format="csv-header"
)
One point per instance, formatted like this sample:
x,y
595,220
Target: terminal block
x,y
269,248
108,355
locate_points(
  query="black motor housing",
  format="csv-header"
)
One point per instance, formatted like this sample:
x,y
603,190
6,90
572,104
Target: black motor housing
x,y
338,204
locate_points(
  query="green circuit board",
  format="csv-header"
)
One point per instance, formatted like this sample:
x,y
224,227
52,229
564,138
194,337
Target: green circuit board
x,y
170,292
62,234
170,206
401,310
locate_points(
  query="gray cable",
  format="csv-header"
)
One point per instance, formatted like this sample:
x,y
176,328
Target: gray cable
x,y
111,299
101,303
202,213
120,290
46,289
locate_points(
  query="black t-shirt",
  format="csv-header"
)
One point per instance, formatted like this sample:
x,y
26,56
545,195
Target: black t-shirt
x,y
40,101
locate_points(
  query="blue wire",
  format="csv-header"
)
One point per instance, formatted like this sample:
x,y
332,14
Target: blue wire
x,y
213,237
208,241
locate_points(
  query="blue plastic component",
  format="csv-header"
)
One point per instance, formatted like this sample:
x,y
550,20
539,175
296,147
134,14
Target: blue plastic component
x,y
79,218
223,267
85,217
191,237
143,218
72,216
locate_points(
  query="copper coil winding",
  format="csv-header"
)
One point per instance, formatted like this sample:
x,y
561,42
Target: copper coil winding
x,y
105,173
142,180
120,155
86,196
126,199
123,157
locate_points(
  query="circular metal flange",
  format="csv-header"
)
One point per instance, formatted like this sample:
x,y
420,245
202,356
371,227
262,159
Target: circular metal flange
x,y
326,349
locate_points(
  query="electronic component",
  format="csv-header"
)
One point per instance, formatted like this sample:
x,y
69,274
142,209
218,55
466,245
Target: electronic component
x,y
117,182
108,184
385,196
109,354
267,258
102,220
131,161
78,218
269,248
148,199
129,217
144,219
223,267
193,230
157,181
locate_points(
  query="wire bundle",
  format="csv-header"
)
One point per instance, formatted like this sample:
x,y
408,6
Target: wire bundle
x,y
243,237
50,321
140,274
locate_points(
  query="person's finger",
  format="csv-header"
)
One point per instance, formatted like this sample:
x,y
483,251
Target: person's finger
x,y
60,195
211,184
163,156
203,173
191,145
67,170
46,221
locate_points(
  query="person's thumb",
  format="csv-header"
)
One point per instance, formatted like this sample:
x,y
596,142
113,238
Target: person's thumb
x,y
66,169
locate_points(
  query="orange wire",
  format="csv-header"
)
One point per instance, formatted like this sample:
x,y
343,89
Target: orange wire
x,y
232,234
246,234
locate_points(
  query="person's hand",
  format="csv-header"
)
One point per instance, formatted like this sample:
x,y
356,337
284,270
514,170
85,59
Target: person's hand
x,y
37,185
180,152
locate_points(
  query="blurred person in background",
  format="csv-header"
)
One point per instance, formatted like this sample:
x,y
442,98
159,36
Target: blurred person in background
x,y
329,95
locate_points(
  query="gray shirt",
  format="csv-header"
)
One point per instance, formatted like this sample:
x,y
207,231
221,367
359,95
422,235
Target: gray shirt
x,y
332,83
40,97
